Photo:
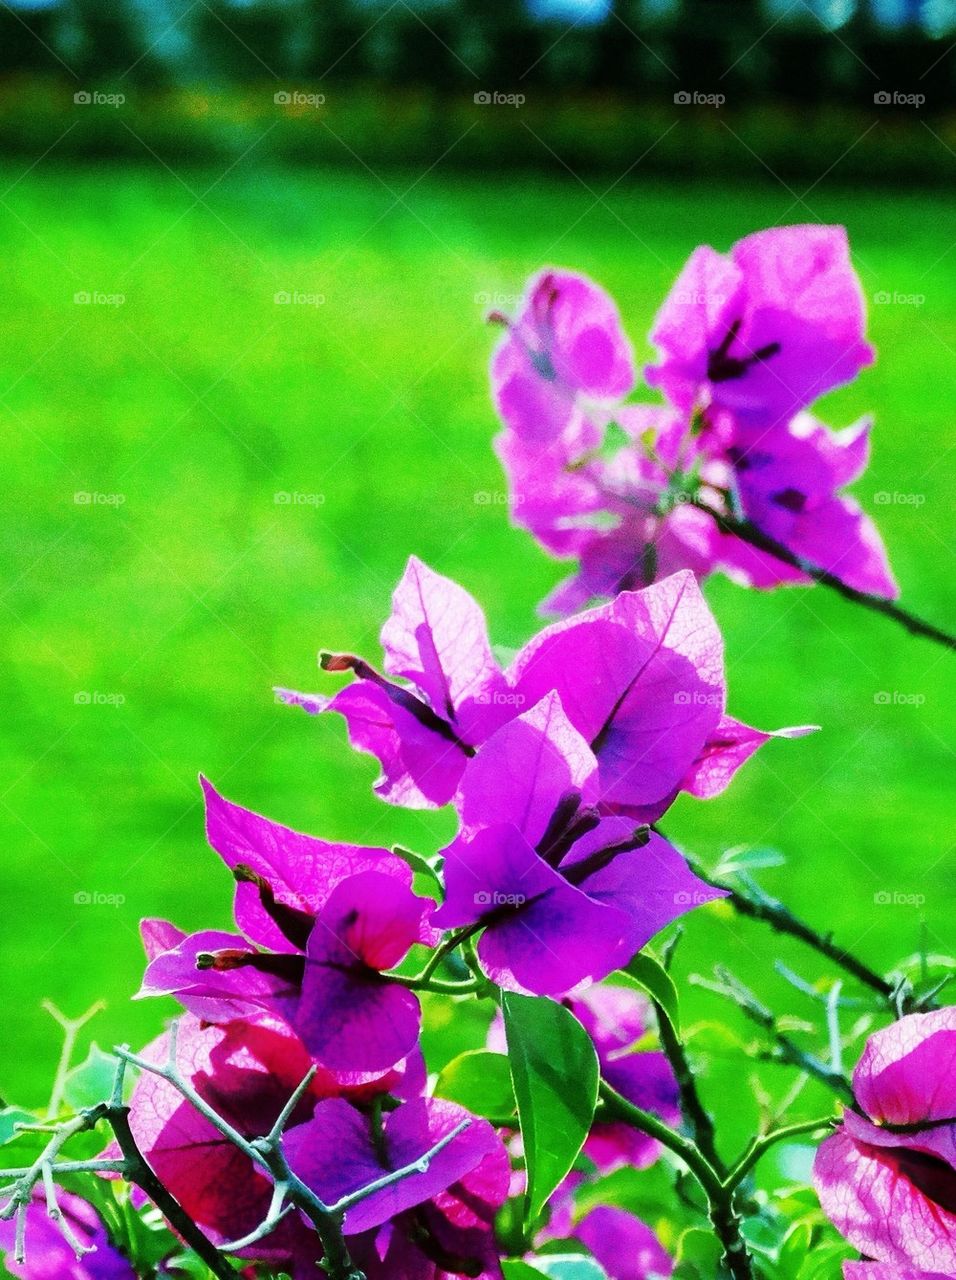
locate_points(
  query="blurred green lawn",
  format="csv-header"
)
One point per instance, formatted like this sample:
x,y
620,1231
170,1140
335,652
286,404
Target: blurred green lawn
x,y
200,399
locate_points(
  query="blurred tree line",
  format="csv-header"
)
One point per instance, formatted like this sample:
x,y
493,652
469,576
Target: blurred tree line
x,y
752,50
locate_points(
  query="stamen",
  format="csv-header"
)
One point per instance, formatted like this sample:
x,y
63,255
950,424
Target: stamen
x,y
403,698
294,925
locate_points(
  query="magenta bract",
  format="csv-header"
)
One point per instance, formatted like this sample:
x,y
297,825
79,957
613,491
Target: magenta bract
x,y
887,1178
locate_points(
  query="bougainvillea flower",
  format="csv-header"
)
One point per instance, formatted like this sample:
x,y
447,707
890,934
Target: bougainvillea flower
x,y
247,1072
626,1247
49,1257
334,918
764,330
625,515
748,342
421,732
604,499
616,1018
640,678
565,344
428,1225
537,863
887,1178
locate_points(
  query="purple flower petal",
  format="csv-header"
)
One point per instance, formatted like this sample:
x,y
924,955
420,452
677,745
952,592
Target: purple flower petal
x,y
349,1016
531,913
301,870
652,886
765,331
641,679
625,1246
219,994
437,638
566,341
49,1257
523,771
335,1155
730,746
869,1195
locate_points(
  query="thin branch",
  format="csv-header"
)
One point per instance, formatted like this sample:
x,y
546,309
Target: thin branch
x,y
289,1190
758,905
720,1195
134,1169
754,537
416,1166
71,1028
697,1117
760,1146
785,1049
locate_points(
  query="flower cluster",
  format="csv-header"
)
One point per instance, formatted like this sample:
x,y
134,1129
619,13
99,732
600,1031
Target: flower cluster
x,y
292,1116
556,767
747,341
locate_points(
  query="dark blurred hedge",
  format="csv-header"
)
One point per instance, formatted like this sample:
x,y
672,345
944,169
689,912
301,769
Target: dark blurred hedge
x,y
200,81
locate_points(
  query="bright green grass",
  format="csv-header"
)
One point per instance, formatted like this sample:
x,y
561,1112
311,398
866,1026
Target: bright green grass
x,y
200,399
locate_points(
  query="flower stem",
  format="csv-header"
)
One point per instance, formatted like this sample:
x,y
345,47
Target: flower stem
x,y
761,1145
697,1117
754,537
719,1193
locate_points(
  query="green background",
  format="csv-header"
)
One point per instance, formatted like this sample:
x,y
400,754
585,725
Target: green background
x,y
199,399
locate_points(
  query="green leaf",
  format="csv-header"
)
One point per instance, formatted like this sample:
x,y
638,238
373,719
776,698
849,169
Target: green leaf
x,y
427,879
565,1266
698,1256
10,1117
748,858
569,1266
515,1269
554,1070
90,1082
825,1261
654,980
480,1081
794,1250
